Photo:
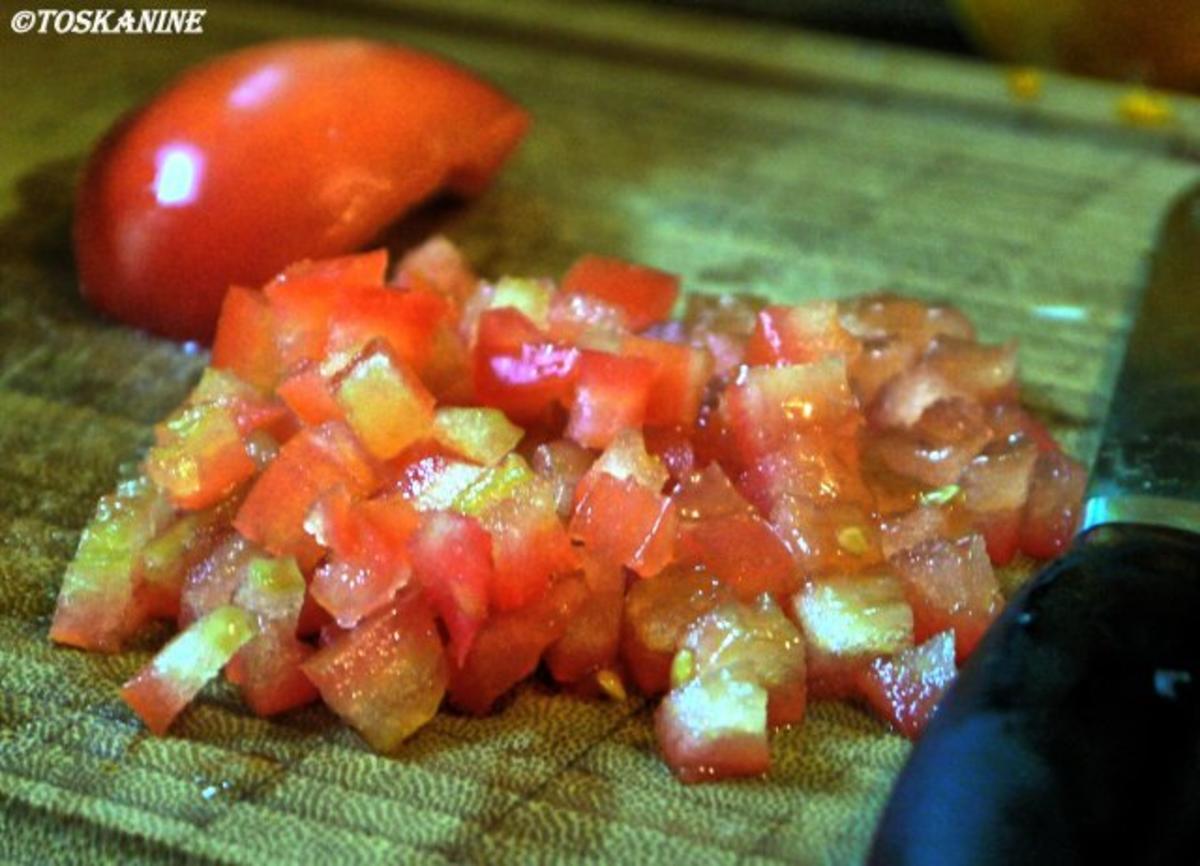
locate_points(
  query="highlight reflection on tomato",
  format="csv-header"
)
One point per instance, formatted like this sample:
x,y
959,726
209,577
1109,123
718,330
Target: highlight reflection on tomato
x,y
289,150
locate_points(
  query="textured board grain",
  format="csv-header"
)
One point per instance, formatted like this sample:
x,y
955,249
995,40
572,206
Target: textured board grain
x,y
747,158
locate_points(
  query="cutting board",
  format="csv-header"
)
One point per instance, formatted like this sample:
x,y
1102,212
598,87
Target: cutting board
x,y
745,156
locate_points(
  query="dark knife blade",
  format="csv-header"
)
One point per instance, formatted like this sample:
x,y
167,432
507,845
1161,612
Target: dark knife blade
x,y
1072,735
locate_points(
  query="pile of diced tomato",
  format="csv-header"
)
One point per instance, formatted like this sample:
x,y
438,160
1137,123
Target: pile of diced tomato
x,y
390,493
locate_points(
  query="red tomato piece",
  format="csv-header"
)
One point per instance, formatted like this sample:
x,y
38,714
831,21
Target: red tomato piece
x,y
995,486
657,615
741,550
800,335
520,371
673,448
880,361
901,402
888,316
611,395
510,644
97,607
644,294
985,372
563,463
752,642
405,320
212,582
714,727
452,561
195,184
905,690
307,393
161,690
847,622
386,677
1053,508
245,342
769,404
439,266
625,523
935,451
312,462
827,538
368,561
593,635
681,374
950,585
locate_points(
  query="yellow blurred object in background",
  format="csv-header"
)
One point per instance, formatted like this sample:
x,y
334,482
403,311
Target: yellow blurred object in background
x,y
1152,42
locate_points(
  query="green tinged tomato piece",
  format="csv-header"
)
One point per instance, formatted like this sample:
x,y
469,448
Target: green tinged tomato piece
x,y
482,435
385,403
96,605
493,486
272,589
526,295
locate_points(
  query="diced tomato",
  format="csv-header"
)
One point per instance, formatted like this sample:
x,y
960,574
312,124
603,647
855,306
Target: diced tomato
x,y
769,404
520,371
452,562
430,479
905,531
481,435
246,340
307,393
625,523
906,319
714,727
611,395
507,648
312,462
268,667
950,585
812,466
750,642
905,689
847,622
529,543
1052,510
626,459
164,562
97,607
657,615
905,397
1008,420
368,562
384,402
199,456
722,325
212,582
985,372
741,550
530,297
681,374
936,450
880,361
160,691
674,449
563,463
995,486
404,321
386,677
646,295
586,320
251,408
825,539
593,634
800,334
437,264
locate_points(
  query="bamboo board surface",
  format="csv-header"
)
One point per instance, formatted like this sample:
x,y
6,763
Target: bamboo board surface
x,y
744,156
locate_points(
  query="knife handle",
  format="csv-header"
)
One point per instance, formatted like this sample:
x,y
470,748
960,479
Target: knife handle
x,y
1072,735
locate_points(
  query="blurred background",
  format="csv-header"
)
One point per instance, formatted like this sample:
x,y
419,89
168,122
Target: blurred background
x,y
1149,42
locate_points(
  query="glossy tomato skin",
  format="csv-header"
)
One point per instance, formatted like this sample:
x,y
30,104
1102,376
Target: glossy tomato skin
x,y
284,151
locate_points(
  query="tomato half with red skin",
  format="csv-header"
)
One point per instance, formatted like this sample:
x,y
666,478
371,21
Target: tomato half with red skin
x,y
275,153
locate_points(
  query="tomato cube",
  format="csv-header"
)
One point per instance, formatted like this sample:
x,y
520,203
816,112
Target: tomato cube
x,y
199,456
308,394
625,523
905,690
769,404
753,643
510,644
312,462
847,622
438,265
452,562
161,690
935,451
268,667
212,582
985,372
518,370
245,342
950,585
481,435
646,295
681,374
800,334
97,607
164,562
1052,510
430,479
995,486
403,321
658,613
563,463
387,676
611,395
384,402
714,727
593,635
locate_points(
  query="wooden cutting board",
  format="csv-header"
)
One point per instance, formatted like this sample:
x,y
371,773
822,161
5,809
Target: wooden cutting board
x,y
747,157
